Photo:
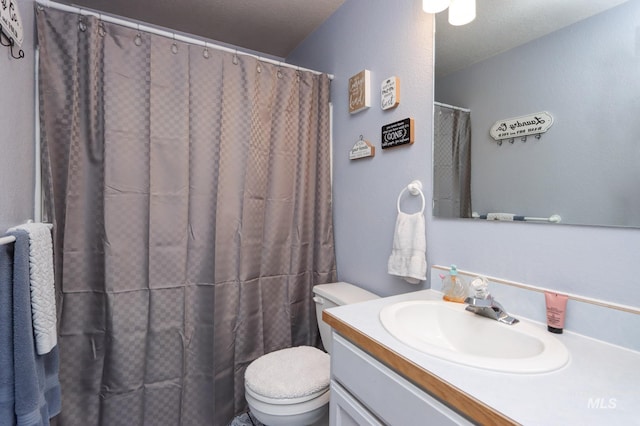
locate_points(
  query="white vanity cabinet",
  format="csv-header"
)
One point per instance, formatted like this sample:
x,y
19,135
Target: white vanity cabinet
x,y
366,392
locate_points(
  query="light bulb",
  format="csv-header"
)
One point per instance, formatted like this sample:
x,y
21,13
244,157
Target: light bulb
x,y
435,6
462,12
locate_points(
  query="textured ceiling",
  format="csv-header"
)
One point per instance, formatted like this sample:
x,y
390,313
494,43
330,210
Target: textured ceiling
x,y
503,24
276,27
273,27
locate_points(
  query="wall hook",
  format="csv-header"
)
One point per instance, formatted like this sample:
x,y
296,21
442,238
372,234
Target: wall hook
x,y
7,41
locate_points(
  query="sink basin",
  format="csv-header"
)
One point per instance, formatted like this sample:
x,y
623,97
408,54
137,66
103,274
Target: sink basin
x,y
446,330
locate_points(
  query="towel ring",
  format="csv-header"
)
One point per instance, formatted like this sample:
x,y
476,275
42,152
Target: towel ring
x,y
415,188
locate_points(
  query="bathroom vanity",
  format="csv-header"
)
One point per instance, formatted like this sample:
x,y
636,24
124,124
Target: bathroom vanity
x,y
376,379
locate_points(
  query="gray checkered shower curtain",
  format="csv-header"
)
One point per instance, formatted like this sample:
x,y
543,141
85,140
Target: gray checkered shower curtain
x,y
191,201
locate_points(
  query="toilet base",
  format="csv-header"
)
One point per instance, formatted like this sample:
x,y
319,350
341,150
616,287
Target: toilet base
x,y
318,417
313,412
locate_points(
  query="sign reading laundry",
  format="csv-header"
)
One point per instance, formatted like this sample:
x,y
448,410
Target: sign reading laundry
x,y
525,125
398,133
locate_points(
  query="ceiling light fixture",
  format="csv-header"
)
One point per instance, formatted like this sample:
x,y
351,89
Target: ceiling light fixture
x,y
461,12
435,6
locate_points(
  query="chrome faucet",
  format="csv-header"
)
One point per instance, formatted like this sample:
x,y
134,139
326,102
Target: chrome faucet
x,y
490,308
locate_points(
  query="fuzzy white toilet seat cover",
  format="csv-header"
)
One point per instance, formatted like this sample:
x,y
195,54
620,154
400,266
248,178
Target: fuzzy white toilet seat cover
x,y
289,373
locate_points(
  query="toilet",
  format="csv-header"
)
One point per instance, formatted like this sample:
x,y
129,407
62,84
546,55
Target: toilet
x,y
290,387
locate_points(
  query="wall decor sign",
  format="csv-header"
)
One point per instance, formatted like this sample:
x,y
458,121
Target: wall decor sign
x,y
398,133
11,20
525,125
390,93
362,149
360,91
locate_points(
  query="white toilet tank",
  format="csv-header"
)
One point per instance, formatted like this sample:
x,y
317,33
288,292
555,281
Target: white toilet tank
x,y
336,294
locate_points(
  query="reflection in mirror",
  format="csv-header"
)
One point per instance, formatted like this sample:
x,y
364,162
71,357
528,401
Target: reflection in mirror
x,y
583,70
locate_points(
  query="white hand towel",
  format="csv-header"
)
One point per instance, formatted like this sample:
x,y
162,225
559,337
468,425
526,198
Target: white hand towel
x,y
43,295
408,256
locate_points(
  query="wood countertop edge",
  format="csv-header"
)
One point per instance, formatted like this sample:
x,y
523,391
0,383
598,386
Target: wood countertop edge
x,y
457,399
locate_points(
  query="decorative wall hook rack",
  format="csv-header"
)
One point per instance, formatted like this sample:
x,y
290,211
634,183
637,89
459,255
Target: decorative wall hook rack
x,y
522,127
8,41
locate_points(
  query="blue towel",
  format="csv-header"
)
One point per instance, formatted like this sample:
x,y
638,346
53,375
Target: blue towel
x,y
36,388
7,413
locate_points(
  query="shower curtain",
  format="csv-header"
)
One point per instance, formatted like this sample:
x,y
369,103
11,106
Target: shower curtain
x,y
451,162
190,193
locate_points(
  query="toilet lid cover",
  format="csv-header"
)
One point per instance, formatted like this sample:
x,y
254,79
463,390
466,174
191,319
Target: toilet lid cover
x,y
289,373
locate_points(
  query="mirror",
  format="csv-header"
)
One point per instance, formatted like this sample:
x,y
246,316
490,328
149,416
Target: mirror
x,y
526,57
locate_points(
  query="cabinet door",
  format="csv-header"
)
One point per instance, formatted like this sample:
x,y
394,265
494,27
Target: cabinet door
x,y
344,410
384,393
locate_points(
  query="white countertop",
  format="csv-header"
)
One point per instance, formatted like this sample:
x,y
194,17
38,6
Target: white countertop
x,y
600,384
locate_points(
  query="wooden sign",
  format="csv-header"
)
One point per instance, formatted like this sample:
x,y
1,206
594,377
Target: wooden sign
x,y
525,125
360,91
398,133
390,93
362,149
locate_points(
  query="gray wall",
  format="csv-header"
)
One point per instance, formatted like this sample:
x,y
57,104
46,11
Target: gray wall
x,y
395,38
389,39
17,127
585,168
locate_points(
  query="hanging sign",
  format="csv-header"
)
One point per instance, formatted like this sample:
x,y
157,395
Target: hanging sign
x,y
390,93
532,124
362,149
398,133
360,91
11,21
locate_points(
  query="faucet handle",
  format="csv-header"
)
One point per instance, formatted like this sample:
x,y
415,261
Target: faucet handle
x,y
479,287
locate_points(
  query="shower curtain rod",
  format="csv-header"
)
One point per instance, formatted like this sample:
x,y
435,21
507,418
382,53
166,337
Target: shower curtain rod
x,y
451,106
153,30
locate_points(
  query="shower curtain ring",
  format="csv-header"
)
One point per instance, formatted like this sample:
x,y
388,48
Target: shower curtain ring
x,y
81,24
174,46
205,53
101,29
138,40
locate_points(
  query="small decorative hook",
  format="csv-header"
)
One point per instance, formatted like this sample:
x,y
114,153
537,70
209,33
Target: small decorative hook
x,y
538,135
235,59
205,53
20,53
523,139
10,43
